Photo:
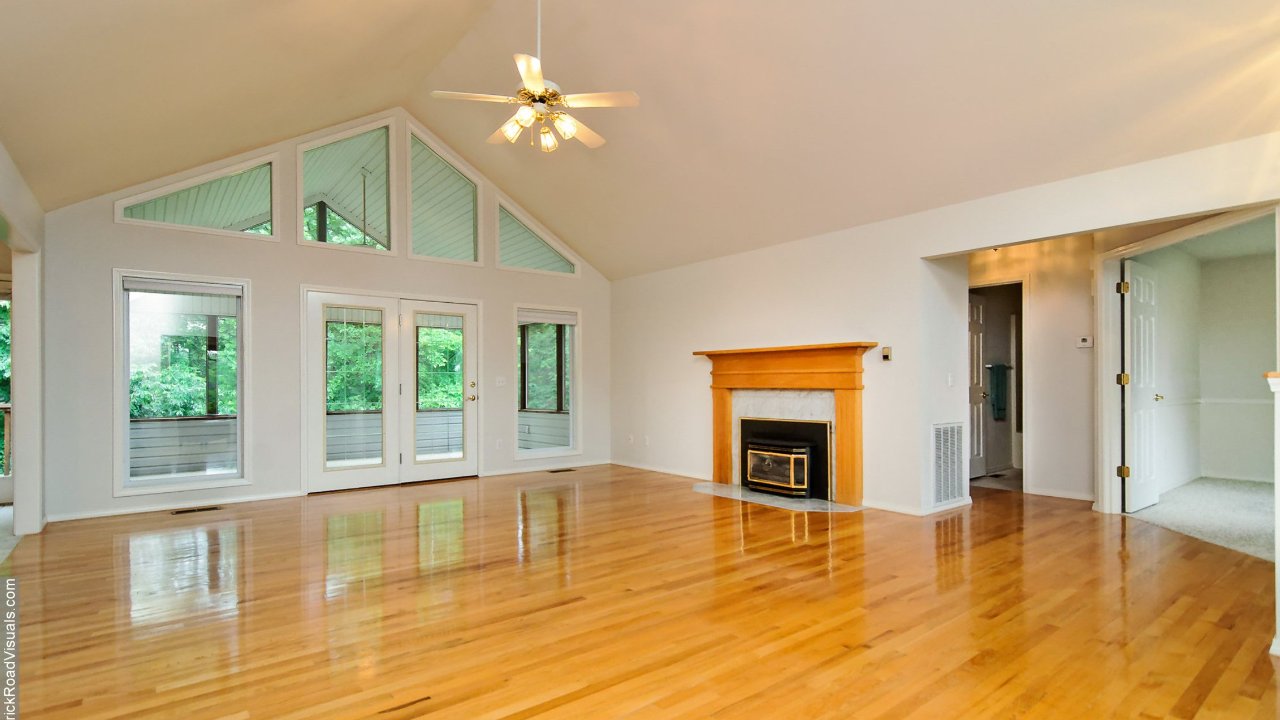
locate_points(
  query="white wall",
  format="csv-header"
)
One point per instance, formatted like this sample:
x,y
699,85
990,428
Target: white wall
x,y
1178,332
870,283
84,244
1057,376
1237,345
21,217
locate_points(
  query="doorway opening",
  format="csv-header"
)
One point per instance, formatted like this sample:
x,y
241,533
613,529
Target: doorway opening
x,y
1196,332
995,386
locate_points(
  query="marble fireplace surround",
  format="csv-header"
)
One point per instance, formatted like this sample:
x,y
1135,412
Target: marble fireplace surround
x,y
793,372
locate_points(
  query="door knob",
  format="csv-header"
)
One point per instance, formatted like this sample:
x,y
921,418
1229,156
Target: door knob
x,y
1159,397
471,398
986,395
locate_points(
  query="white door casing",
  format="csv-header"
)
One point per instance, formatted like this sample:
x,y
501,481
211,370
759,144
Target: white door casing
x,y
1142,393
977,389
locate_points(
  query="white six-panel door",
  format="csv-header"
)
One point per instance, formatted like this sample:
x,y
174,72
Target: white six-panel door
x,y
977,388
1141,395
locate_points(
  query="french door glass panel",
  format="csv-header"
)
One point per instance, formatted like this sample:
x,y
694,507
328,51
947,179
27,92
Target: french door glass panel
x,y
353,386
439,387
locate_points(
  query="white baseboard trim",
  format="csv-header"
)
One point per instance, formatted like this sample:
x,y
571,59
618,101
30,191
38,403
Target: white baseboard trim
x,y
170,506
550,464
950,505
1229,476
1062,494
893,508
663,470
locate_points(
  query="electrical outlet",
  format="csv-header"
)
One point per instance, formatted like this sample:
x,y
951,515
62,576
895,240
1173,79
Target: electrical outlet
x,y
631,439
646,441
1084,341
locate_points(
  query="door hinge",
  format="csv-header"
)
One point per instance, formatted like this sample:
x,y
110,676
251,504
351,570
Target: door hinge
x,y
401,458
1122,379
1122,287
401,388
1123,471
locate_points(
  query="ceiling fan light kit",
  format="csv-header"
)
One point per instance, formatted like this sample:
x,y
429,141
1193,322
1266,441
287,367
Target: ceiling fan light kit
x,y
541,102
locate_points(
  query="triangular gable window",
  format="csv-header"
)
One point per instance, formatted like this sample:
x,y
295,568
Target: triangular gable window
x,y
519,247
443,206
238,202
345,191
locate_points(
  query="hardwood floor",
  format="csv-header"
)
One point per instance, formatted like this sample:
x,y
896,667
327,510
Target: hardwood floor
x,y
612,592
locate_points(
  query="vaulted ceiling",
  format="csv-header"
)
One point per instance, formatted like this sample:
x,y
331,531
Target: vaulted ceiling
x,y
760,122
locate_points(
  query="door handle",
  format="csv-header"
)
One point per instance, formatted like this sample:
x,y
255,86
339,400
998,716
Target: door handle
x,y
1159,397
986,395
472,398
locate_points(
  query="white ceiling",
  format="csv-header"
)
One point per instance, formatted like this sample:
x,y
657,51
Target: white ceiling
x,y
98,96
760,123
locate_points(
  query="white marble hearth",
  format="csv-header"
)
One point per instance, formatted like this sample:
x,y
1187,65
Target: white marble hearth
x,y
815,405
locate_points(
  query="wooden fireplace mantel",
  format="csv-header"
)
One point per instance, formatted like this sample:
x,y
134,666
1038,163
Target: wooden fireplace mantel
x,y
836,367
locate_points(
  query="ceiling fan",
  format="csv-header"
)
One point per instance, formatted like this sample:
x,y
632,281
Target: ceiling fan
x,y
541,102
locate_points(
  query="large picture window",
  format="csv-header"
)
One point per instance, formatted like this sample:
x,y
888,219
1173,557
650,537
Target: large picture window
x,y
545,344
182,350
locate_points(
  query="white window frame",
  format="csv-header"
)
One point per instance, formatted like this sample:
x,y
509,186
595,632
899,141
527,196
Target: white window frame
x,y
575,378
120,381
537,228
396,152
272,159
413,130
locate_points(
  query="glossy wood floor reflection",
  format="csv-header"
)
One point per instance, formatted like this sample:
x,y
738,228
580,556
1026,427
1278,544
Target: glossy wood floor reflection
x,y
611,592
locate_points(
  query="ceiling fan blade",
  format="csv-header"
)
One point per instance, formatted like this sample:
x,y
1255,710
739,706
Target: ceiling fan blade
x,y
531,73
624,98
589,137
479,97
497,138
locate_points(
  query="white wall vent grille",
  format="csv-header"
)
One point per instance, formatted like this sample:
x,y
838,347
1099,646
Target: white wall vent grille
x,y
948,462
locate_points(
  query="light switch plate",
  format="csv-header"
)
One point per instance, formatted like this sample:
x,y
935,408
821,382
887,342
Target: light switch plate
x,y
1084,341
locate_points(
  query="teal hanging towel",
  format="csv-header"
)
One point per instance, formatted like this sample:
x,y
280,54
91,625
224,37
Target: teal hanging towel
x,y
999,384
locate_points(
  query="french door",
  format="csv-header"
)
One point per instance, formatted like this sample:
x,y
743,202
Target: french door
x,y
390,391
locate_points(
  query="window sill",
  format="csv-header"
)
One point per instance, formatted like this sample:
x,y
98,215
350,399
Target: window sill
x,y
177,484
542,453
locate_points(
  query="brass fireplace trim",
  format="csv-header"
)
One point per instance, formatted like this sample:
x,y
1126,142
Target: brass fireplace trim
x,y
831,471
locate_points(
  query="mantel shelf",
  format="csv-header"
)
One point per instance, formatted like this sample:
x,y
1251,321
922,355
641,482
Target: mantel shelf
x,y
864,346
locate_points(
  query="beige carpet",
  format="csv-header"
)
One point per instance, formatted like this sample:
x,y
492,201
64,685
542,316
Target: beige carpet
x,y
1232,513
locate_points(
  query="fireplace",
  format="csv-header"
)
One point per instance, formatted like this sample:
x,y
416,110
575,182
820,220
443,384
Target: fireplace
x,y
835,368
786,457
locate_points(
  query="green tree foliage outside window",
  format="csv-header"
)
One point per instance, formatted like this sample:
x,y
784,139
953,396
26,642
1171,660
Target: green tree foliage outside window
x,y
542,375
338,230
353,366
180,385
439,368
